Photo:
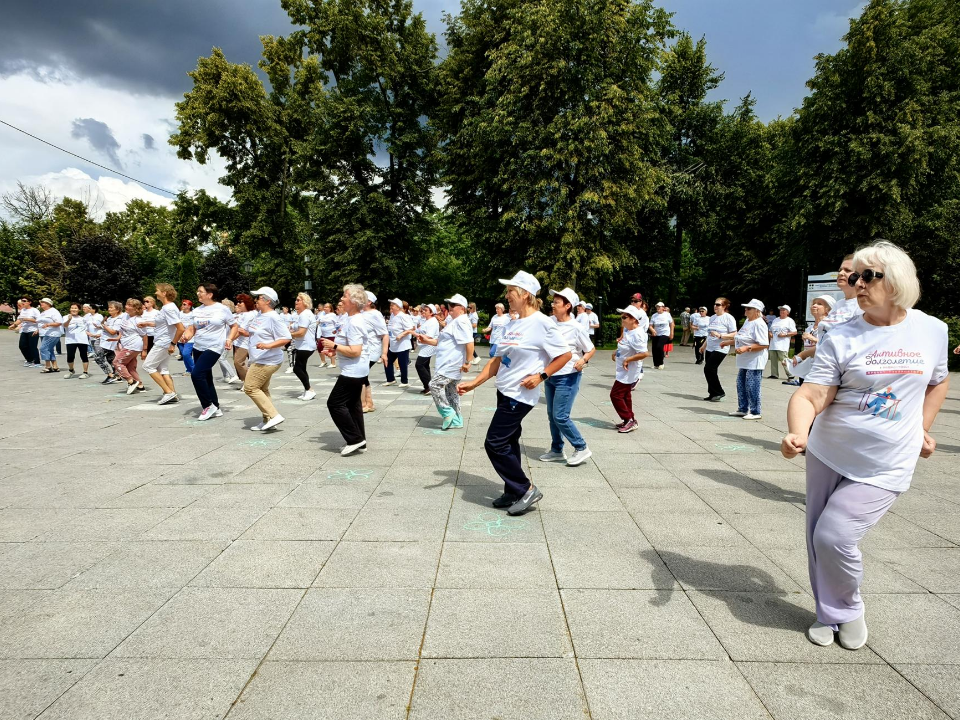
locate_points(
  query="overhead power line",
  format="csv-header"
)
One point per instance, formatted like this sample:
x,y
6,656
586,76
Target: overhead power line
x,y
87,160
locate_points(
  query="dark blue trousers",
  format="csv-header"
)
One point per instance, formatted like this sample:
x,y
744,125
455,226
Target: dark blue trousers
x,y
202,376
503,444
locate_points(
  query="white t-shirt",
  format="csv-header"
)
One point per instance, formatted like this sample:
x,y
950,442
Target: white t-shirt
x,y
186,319
430,328
661,323
644,321
308,320
76,331
341,319
399,323
818,330
108,341
632,343
451,351
29,316
722,324
497,324
584,320
243,321
354,332
376,329
474,320
165,327
131,334
93,324
528,345
578,343
150,316
266,327
211,322
782,325
700,324
873,430
843,311
50,316
327,324
753,332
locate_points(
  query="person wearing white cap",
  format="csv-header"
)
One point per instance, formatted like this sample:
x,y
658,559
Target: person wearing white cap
x,y
375,347
454,348
820,306
267,334
497,323
781,330
212,321
699,322
399,330
344,401
429,328
303,330
629,357
49,324
750,344
532,350
562,387
864,417
661,328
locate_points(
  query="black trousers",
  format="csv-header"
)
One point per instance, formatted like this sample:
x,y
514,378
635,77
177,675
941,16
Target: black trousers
x,y
403,360
72,349
300,367
346,410
659,342
503,444
698,347
423,370
30,347
714,358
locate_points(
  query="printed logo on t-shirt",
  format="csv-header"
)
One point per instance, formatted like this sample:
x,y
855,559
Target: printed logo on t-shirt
x,y
895,362
883,404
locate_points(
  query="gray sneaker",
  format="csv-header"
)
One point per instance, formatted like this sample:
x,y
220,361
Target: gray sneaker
x,y
552,457
579,457
530,497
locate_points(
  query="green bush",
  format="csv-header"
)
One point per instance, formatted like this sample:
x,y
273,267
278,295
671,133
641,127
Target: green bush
x,y
953,328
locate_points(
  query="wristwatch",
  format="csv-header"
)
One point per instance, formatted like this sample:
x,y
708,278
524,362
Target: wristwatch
x,y
543,376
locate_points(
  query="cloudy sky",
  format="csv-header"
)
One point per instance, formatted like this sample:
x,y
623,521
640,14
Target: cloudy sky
x,y
100,78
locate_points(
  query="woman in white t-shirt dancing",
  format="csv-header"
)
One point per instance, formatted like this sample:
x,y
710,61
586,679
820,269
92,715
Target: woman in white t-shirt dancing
x,y
430,328
629,357
875,388
699,322
531,350
208,335
750,344
721,323
267,334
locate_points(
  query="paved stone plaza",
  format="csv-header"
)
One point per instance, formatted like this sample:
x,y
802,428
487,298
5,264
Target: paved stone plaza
x,y
155,567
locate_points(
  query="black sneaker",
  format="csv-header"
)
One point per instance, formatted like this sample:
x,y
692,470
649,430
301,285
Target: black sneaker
x,y
530,497
709,398
106,380
505,501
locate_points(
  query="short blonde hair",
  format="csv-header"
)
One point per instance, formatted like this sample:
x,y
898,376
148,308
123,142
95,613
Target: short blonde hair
x,y
136,305
167,291
899,272
228,303
307,300
528,297
356,294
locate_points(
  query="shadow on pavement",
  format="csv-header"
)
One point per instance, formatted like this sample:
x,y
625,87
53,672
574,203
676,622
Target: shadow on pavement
x,y
750,440
701,575
757,488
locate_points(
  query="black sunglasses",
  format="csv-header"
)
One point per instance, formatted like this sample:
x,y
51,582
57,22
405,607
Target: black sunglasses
x,y
868,276
717,304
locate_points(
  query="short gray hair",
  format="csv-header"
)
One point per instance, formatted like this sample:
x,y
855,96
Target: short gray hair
x,y
356,294
899,272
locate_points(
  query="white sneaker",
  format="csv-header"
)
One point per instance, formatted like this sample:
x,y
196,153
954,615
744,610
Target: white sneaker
x,y
272,422
404,385
390,382
737,413
289,371
476,361
206,414
751,416
300,396
68,375
552,457
351,449
308,395
579,457
165,398
217,411
84,376
131,388
234,379
258,427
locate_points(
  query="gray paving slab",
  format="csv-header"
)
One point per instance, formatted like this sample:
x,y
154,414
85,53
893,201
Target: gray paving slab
x,y
791,690
668,690
154,689
354,587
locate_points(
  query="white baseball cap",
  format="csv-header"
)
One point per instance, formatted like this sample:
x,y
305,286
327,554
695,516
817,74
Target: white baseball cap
x,y
588,306
631,311
659,304
268,291
370,296
458,299
524,280
783,307
48,301
567,294
830,300
433,308
398,302
755,304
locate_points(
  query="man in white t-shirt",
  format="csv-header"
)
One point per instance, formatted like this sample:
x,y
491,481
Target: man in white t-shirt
x,y
781,330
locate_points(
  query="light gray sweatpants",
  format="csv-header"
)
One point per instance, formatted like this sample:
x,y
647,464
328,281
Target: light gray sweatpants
x,y
839,513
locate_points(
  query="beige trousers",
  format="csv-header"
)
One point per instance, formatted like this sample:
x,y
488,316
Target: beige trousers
x,y
257,387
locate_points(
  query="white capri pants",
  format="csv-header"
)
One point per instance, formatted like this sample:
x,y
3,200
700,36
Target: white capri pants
x,y
157,360
839,513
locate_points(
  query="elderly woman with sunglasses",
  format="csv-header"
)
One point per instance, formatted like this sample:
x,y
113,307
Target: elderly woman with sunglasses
x,y
721,325
863,416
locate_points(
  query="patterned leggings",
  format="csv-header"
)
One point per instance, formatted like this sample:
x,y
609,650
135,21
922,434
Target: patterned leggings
x,y
748,390
103,359
444,392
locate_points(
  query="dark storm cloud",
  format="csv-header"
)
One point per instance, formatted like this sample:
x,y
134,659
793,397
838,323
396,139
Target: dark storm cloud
x,y
100,137
146,47
148,142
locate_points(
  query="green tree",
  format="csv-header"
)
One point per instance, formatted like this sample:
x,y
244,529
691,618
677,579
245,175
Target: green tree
x,y
99,269
548,122
189,277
